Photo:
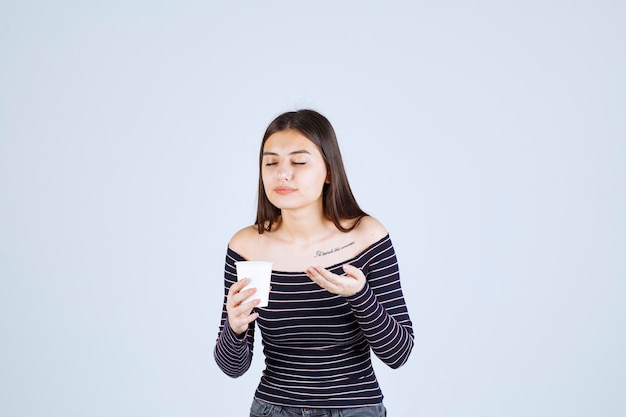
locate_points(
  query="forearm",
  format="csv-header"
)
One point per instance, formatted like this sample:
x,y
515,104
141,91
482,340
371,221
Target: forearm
x,y
232,354
389,336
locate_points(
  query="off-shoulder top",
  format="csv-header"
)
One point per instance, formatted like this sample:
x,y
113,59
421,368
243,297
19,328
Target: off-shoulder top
x,y
317,344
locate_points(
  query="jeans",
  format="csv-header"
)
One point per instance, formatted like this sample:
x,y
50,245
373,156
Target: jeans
x,y
262,409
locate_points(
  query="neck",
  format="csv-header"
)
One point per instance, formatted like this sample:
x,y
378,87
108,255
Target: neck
x,y
304,226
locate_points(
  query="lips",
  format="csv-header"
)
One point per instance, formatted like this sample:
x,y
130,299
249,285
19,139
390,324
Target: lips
x,y
284,190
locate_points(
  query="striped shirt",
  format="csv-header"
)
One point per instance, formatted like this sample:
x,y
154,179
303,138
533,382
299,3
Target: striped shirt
x,y
317,344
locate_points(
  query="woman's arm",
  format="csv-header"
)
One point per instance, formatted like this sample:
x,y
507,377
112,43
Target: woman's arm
x,y
233,353
375,296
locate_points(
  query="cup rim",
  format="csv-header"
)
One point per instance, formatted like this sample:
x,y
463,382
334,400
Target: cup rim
x,y
254,262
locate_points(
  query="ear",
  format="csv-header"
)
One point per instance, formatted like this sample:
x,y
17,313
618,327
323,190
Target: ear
x,y
327,179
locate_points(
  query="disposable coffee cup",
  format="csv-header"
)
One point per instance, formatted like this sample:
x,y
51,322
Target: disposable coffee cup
x,y
259,273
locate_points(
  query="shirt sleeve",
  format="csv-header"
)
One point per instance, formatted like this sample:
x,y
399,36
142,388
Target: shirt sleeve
x,y
380,308
232,354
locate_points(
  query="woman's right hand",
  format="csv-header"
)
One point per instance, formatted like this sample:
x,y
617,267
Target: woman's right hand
x,y
239,313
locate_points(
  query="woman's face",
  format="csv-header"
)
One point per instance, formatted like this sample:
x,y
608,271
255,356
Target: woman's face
x,y
293,171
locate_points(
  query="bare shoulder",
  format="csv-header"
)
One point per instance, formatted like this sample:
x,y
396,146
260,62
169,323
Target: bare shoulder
x,y
370,230
244,241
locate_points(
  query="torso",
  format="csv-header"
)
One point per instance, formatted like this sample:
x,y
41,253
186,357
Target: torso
x,y
330,249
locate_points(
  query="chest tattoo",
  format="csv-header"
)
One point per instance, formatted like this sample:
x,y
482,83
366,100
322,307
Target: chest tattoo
x,y
333,250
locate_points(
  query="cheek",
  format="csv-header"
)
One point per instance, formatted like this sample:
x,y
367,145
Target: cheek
x,y
323,177
317,184
264,177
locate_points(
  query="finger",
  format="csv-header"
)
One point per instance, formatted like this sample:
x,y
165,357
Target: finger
x,y
318,271
235,300
328,276
238,285
240,324
245,309
321,277
314,273
351,270
251,317
241,315
245,294
238,301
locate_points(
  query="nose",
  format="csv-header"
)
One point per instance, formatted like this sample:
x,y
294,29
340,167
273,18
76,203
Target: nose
x,y
284,173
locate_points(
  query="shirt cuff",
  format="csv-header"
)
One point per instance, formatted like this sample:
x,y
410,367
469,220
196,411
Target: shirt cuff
x,y
363,298
231,337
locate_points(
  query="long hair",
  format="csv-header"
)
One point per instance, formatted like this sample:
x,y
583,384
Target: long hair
x,y
337,199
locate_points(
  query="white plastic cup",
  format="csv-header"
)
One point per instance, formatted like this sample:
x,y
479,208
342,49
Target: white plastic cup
x,y
260,274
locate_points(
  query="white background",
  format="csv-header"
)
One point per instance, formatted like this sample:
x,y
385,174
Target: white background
x,y
488,136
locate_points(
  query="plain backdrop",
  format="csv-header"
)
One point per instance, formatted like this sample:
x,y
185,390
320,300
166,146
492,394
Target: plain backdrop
x,y
488,136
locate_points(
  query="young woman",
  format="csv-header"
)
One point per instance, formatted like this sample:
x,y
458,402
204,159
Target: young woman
x,y
335,293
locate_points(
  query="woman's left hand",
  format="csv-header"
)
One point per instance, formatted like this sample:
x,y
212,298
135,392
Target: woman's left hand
x,y
344,285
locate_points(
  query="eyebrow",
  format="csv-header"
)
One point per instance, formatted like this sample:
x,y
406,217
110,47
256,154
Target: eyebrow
x,y
291,153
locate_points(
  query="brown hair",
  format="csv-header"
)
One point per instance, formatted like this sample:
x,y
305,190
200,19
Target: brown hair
x,y
337,199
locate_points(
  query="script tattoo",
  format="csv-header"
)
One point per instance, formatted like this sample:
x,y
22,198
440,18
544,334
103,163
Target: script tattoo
x,y
333,250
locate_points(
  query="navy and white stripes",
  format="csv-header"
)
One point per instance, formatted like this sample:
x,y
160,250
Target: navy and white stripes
x,y
317,344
